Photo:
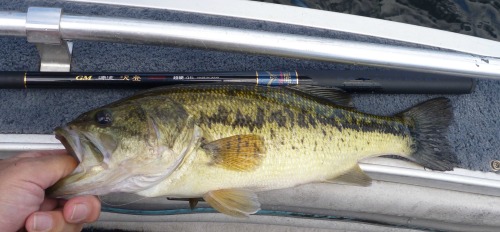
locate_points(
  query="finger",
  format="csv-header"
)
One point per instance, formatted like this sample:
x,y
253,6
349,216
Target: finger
x,y
82,209
48,168
48,204
36,154
61,202
51,221
30,154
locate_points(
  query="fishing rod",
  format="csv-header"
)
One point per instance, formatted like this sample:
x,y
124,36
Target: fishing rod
x,y
356,81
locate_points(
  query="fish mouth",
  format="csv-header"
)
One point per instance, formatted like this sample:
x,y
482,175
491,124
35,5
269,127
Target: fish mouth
x,y
80,144
83,149
71,141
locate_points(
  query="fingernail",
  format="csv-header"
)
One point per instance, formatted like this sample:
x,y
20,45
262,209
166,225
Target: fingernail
x,y
42,222
79,213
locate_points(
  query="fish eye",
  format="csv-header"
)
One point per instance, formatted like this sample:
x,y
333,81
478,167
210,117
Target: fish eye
x,y
103,118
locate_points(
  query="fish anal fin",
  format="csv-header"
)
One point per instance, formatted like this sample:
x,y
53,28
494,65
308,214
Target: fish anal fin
x,y
239,152
233,202
354,176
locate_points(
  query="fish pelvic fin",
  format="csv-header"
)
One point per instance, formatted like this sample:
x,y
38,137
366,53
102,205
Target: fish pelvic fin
x,y
233,202
428,123
354,176
238,153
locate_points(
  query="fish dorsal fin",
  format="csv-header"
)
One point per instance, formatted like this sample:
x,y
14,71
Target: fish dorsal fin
x,y
233,202
239,152
334,95
354,176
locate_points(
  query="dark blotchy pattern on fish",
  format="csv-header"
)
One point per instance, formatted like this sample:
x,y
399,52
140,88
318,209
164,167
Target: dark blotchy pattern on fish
x,y
251,107
337,116
300,109
340,120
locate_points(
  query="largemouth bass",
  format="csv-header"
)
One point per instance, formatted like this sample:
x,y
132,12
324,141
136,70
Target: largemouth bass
x,y
226,142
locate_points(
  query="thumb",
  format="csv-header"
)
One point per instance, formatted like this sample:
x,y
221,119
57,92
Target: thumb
x,y
44,168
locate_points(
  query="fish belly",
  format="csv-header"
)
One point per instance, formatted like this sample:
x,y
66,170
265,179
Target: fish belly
x,y
293,157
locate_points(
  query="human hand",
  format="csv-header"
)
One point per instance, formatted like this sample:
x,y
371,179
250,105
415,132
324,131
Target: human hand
x,y
23,180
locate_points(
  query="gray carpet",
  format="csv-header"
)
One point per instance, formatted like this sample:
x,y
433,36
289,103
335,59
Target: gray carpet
x,y
474,134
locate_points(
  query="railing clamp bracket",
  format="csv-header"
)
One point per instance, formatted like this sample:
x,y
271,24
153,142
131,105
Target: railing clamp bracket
x,y
43,29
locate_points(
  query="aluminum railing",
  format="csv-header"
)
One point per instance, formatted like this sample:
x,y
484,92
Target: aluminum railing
x,y
73,27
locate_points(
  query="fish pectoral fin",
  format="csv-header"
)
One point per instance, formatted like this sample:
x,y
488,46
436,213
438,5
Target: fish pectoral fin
x,y
233,202
354,176
239,152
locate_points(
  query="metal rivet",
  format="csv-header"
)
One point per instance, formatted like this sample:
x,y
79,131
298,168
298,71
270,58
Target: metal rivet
x,y
495,165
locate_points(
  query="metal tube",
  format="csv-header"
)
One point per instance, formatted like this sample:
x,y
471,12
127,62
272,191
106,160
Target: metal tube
x,y
13,23
268,43
321,19
425,178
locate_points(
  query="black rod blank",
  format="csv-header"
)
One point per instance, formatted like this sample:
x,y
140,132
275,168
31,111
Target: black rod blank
x,y
355,81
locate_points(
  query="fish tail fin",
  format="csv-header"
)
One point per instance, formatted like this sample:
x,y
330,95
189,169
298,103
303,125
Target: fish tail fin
x,y
429,121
